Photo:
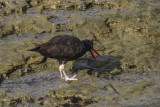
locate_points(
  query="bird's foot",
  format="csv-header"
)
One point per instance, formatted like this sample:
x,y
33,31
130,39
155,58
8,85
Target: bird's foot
x,y
64,75
71,78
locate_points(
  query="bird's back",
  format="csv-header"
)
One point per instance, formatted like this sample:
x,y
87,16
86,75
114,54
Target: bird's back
x,y
62,47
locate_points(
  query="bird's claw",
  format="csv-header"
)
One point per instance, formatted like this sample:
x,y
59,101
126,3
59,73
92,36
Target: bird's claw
x,y
71,78
63,74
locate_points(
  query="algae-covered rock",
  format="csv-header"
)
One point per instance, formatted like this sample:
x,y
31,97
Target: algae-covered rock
x,y
13,6
21,24
81,93
125,33
46,89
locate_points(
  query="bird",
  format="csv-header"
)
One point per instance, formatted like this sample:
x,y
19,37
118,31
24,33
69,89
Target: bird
x,y
65,48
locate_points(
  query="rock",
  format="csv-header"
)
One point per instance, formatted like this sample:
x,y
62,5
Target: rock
x,y
125,33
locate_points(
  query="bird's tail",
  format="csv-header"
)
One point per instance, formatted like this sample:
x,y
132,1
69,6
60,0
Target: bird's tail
x,y
34,49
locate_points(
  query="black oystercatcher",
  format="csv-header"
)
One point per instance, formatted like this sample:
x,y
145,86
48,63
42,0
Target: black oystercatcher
x,y
65,48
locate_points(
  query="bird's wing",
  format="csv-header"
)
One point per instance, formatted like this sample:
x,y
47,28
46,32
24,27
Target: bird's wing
x,y
63,40
62,47
66,50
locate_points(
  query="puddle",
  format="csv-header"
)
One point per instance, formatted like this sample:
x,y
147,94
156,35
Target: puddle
x,y
36,84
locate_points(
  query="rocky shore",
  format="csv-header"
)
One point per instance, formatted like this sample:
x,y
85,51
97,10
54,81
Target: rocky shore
x,y
125,32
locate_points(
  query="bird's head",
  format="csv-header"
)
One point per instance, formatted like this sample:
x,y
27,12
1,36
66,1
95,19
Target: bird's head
x,y
89,47
88,44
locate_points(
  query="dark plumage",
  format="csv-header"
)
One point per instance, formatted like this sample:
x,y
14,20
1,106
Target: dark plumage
x,y
64,48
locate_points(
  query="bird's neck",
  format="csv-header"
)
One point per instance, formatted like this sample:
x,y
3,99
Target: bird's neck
x,y
84,44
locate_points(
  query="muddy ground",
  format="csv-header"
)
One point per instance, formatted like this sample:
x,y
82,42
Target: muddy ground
x,y
125,32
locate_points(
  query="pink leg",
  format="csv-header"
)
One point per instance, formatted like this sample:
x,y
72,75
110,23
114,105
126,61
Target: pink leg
x,y
63,73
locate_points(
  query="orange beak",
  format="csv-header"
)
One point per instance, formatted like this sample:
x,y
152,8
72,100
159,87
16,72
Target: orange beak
x,y
93,54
